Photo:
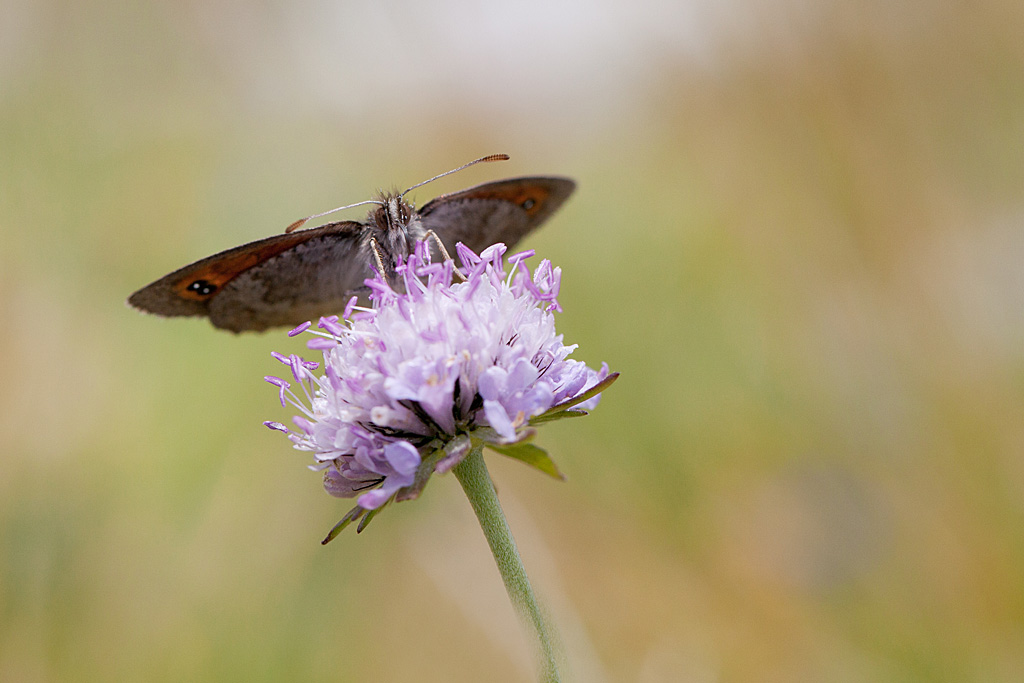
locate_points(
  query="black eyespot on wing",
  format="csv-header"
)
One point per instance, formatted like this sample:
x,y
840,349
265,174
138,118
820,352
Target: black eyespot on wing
x,y
202,287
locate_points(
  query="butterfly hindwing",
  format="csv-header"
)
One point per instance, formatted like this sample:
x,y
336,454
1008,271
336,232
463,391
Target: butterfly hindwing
x,y
503,211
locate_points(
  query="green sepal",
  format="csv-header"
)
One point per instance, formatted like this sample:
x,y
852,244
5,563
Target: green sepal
x,y
534,456
571,412
350,516
370,514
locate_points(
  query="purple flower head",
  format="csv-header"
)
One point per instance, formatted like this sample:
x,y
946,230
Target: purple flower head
x,y
433,369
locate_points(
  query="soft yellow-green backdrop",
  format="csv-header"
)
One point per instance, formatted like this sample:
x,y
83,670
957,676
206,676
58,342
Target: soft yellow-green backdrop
x,y
799,235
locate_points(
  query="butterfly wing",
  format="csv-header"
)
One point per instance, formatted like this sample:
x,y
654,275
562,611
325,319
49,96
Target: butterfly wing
x,y
502,211
281,280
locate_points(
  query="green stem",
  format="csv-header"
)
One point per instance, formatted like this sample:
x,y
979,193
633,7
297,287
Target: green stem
x,y
476,482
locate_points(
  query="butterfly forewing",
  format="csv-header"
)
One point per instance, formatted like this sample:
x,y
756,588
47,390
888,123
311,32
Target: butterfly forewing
x,y
502,211
313,279
198,288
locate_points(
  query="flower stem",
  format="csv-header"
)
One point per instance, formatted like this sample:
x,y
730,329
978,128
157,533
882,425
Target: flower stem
x,y
476,482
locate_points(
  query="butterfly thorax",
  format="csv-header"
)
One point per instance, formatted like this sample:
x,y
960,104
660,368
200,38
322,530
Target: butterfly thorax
x,y
395,226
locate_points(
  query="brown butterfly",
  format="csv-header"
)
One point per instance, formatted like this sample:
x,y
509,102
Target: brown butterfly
x,y
297,276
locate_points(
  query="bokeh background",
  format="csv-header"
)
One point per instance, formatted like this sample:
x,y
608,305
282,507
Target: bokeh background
x,y
799,235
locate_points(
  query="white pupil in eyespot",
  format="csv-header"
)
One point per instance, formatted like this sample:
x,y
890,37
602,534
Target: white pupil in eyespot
x,y
202,287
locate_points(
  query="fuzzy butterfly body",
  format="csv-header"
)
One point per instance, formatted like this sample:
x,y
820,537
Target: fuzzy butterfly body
x,y
297,276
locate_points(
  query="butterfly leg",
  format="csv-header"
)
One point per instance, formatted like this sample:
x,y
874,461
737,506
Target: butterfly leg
x,y
379,258
431,235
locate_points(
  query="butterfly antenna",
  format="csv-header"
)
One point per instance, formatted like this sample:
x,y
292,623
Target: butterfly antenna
x,y
489,157
302,221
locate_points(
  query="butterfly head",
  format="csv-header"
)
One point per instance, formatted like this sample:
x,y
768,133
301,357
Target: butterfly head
x,y
393,214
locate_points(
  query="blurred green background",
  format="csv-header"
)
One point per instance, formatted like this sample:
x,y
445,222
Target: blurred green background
x,y
799,235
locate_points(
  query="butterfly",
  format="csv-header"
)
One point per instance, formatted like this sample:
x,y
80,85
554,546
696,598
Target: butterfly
x,y
300,275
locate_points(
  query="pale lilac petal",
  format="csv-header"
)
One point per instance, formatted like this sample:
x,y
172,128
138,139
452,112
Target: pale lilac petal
x,y
403,457
372,500
499,420
491,384
521,375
